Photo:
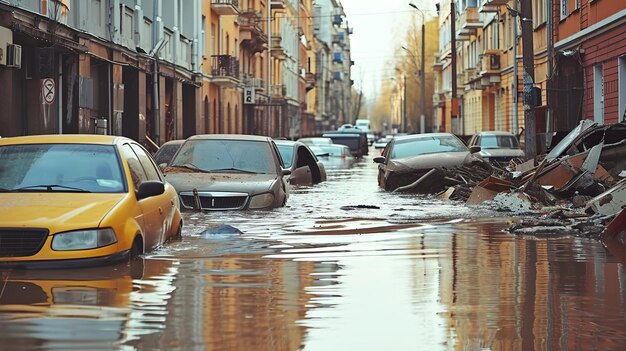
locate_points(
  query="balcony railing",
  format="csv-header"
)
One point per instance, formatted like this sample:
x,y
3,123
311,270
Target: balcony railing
x,y
224,66
252,30
311,80
491,5
225,7
491,63
279,90
253,82
469,19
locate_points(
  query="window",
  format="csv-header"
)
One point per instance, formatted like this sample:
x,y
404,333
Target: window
x,y
598,94
576,4
203,33
495,37
136,171
213,41
564,9
539,11
146,162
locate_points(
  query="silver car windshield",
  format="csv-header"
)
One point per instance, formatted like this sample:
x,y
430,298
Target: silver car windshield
x,y
60,168
498,142
426,145
213,155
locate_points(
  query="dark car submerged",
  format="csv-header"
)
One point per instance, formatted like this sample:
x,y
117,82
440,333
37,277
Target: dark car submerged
x,y
405,159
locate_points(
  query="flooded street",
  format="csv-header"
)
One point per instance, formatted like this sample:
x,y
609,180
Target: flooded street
x,y
345,266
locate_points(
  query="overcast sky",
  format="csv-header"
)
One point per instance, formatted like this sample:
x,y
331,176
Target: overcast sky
x,y
376,24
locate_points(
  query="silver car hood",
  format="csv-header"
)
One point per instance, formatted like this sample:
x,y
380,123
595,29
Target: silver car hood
x,y
502,153
222,182
427,161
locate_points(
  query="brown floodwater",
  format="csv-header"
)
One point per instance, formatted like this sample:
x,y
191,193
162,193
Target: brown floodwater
x,y
345,266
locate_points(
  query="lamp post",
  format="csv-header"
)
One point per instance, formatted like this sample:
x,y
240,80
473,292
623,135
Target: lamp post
x,y
422,75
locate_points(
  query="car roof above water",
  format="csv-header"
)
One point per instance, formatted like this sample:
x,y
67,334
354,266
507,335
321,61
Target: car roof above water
x,y
246,137
422,136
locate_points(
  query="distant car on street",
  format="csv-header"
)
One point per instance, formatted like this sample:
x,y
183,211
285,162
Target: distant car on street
x,y
497,147
228,172
167,151
354,138
335,156
316,141
408,158
305,168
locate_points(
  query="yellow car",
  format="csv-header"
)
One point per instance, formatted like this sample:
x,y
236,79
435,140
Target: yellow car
x,y
81,200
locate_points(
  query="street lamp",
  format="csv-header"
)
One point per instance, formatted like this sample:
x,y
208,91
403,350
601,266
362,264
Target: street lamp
x,y
422,76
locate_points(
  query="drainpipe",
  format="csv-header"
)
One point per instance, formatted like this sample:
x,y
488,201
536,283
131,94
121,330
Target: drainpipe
x,y
515,73
549,122
158,45
269,52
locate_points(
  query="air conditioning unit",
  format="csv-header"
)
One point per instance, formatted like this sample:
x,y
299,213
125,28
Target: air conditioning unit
x,y
14,55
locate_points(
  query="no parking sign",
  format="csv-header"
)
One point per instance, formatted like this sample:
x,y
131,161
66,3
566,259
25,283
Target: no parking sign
x,y
47,90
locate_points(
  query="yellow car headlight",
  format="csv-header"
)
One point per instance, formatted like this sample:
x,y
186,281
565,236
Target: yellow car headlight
x,y
83,239
262,201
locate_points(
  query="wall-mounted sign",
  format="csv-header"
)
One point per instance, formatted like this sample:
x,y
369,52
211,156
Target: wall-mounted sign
x,y
248,96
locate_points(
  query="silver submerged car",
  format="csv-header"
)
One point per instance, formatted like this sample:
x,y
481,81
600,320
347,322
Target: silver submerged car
x,y
497,147
228,172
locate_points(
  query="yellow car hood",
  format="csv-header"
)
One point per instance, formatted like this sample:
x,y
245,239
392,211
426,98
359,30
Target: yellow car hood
x,y
57,211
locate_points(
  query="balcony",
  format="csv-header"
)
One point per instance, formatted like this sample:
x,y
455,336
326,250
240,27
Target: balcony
x,y
225,70
437,64
252,30
311,80
225,7
278,4
468,23
469,75
470,19
252,82
279,91
276,47
491,5
490,62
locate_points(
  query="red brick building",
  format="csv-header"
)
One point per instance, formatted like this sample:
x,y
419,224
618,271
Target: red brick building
x,y
590,62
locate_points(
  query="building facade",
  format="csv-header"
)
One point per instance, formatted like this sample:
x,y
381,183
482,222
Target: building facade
x,y
156,70
124,67
334,98
579,64
590,61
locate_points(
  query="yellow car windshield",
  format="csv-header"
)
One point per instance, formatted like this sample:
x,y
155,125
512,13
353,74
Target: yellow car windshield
x,y
60,168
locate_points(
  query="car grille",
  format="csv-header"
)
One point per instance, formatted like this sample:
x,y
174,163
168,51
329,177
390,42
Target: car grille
x,y
214,200
21,242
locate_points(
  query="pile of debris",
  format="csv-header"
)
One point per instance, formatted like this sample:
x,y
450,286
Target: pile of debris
x,y
578,187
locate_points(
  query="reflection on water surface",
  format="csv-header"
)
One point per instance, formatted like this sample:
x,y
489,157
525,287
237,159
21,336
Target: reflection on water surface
x,y
344,266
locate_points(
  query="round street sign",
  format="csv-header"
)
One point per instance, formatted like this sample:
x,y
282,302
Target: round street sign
x,y
47,90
